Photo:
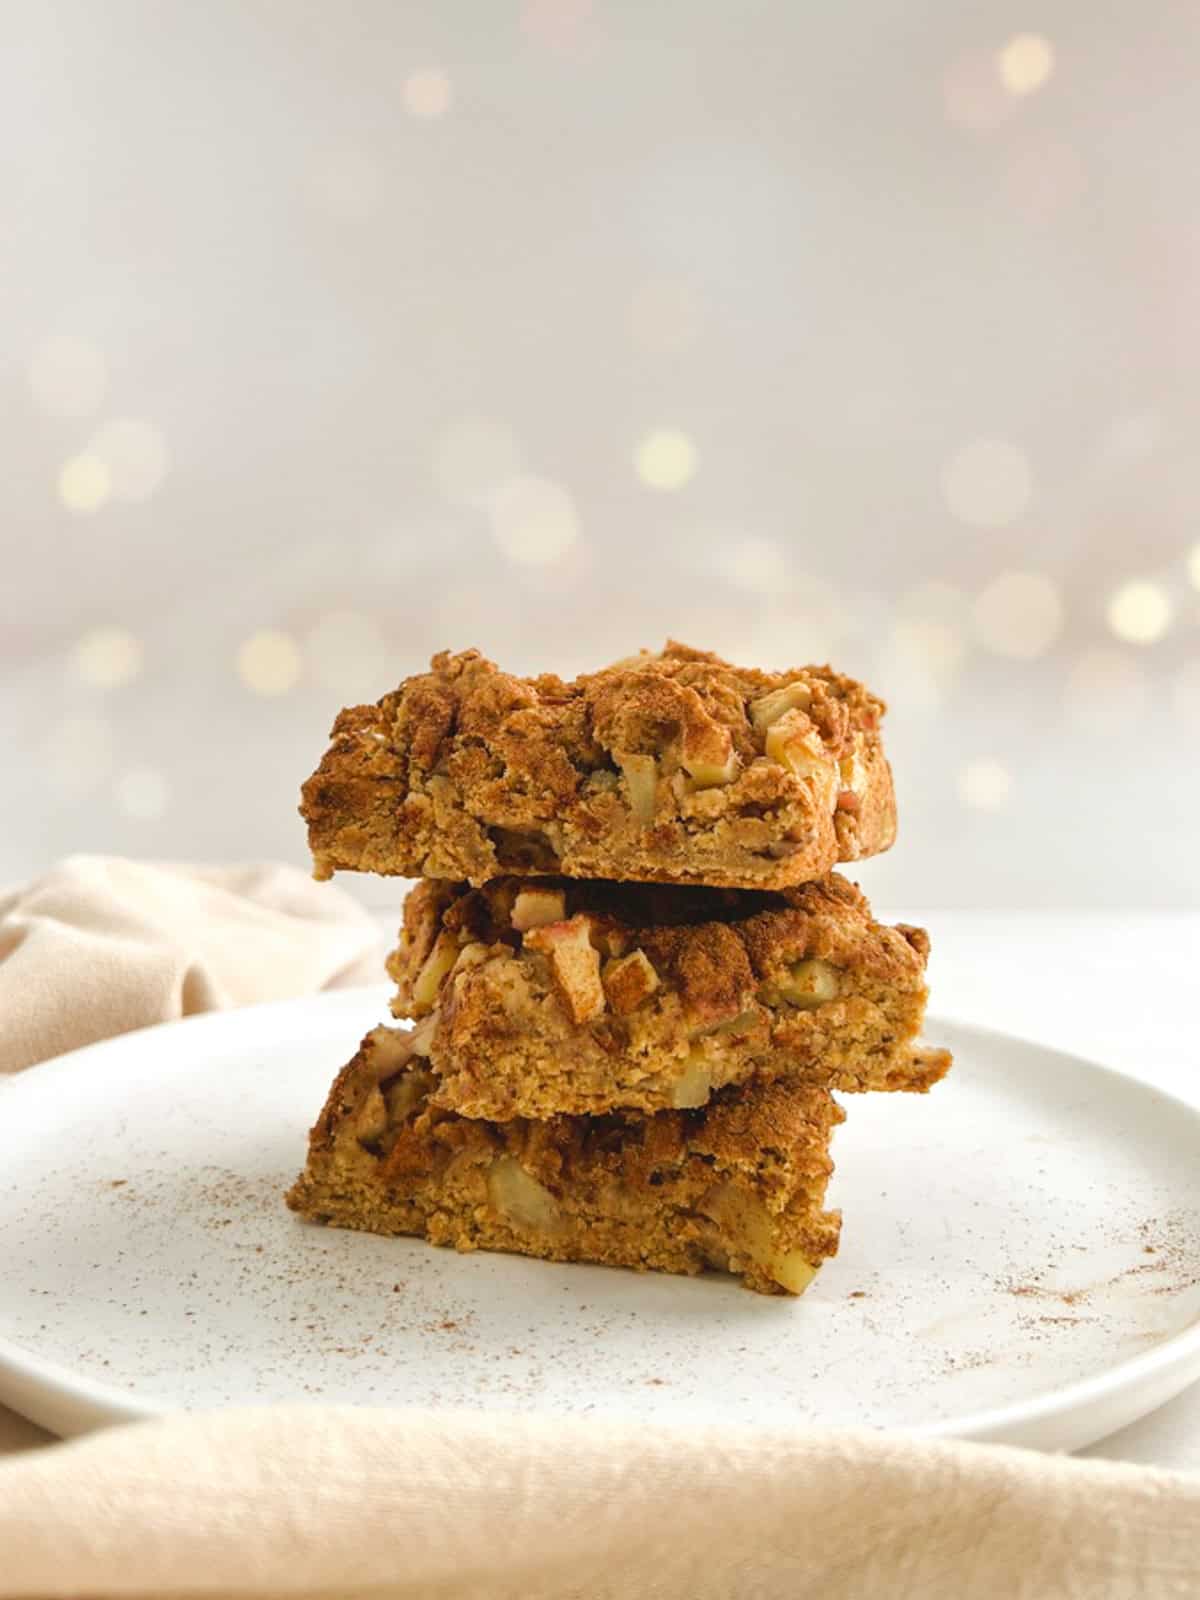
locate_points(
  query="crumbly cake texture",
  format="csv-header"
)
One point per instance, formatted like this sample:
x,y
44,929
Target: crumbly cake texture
x,y
539,996
669,767
739,1185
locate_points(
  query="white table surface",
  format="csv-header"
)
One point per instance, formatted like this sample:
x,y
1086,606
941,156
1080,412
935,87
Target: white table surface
x,y
1118,987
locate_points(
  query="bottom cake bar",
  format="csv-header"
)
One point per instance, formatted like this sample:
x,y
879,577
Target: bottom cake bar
x,y
738,1184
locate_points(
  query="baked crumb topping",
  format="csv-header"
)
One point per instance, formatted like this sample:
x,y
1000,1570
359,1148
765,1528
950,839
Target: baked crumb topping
x,y
674,766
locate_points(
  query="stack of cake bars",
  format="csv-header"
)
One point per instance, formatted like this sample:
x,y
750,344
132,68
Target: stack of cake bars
x,y
629,977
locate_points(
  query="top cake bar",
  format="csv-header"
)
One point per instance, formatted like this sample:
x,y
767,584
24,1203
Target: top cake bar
x,y
673,767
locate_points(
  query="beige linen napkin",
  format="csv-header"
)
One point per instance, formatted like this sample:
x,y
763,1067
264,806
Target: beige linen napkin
x,y
341,1504
100,945
338,1502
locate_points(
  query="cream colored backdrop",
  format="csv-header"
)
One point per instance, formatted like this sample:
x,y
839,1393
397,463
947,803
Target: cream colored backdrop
x,y
338,333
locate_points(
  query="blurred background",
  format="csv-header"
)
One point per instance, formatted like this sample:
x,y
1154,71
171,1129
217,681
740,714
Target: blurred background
x,y
336,334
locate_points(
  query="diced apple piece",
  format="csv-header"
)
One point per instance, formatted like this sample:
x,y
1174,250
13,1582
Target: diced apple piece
x,y
520,1198
744,1022
423,922
794,743
391,1051
748,1230
629,981
853,771
471,955
773,706
405,1094
534,908
372,1116
809,984
708,755
641,779
421,1037
743,1220
574,964
693,1087
710,774
429,980
792,1270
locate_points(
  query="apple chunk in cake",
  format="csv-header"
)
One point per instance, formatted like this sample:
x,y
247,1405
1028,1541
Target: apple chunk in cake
x,y
534,997
671,767
738,1185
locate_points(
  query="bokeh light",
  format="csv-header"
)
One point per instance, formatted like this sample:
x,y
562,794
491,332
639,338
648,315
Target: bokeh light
x,y
68,377
472,458
533,521
985,785
427,94
1140,612
1025,63
346,653
84,483
1019,614
134,454
108,658
1104,688
142,794
666,459
987,483
269,662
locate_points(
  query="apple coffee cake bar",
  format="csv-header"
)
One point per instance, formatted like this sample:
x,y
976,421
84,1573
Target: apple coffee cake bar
x,y
671,767
738,1185
540,996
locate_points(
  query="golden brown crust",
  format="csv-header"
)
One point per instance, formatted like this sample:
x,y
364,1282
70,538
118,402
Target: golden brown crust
x,y
674,767
688,989
739,1184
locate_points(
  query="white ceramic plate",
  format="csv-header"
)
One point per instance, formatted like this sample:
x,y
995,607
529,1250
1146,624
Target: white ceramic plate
x,y
1020,1257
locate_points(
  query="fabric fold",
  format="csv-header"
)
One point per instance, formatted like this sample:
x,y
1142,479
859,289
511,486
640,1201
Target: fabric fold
x,y
100,945
298,1502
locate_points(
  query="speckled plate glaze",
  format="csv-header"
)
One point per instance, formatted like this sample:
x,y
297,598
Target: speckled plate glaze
x,y
1020,1258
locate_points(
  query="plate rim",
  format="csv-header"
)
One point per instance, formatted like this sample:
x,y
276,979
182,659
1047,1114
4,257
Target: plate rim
x,y
56,1390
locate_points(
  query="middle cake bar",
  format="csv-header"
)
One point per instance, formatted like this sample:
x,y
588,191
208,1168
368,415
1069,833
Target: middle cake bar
x,y
539,997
